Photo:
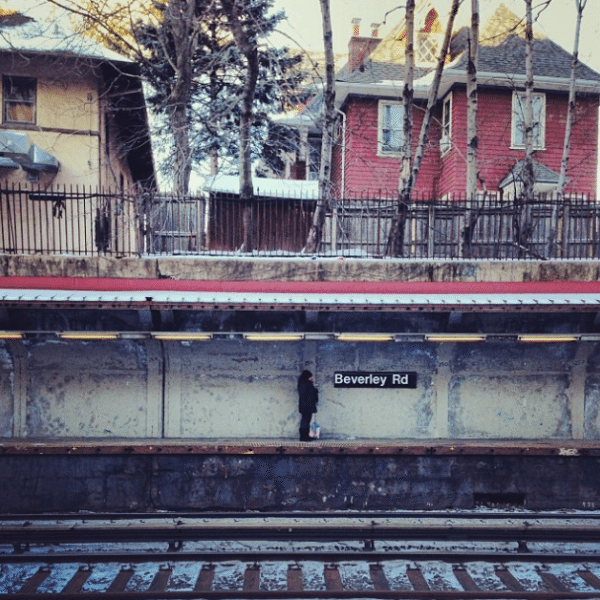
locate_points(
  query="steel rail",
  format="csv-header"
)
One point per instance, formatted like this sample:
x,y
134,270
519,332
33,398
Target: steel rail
x,y
296,532
297,556
495,516
308,595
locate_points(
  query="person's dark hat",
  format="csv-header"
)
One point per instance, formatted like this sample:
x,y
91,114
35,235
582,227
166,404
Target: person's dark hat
x,y
305,375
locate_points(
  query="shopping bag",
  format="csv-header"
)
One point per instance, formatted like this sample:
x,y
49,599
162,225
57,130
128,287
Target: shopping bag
x,y
315,431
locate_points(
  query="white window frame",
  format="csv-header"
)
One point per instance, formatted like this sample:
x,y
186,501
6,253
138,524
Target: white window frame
x,y
517,138
383,125
446,138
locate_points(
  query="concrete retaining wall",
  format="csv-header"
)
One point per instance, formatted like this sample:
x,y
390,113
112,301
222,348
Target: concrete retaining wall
x,y
183,483
236,389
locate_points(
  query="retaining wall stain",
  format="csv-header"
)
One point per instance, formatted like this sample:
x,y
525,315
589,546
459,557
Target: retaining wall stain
x,y
184,483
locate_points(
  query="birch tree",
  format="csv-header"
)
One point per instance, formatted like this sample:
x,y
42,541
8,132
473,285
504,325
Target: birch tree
x,y
562,179
528,172
472,132
522,209
409,179
396,234
316,230
472,136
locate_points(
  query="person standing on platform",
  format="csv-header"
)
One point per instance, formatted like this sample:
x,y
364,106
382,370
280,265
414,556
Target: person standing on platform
x,y
308,396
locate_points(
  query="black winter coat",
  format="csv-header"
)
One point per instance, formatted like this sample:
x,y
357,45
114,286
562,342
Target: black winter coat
x,y
308,396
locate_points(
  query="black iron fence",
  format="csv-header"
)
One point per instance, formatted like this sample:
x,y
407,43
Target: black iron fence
x,y
85,222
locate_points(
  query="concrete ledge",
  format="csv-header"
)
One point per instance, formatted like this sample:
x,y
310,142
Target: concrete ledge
x,y
298,269
101,446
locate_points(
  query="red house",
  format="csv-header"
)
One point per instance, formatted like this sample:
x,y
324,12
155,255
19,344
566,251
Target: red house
x,y
369,97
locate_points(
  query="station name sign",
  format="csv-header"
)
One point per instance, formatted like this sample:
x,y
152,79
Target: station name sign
x,y
368,379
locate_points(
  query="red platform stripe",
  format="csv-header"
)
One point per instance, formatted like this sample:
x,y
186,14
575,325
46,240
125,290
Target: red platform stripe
x,y
101,284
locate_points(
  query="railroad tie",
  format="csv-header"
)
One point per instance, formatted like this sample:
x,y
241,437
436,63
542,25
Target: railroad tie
x,y
32,584
121,580
159,583
378,578
417,579
508,579
78,580
333,580
465,579
591,579
552,582
295,582
251,578
205,578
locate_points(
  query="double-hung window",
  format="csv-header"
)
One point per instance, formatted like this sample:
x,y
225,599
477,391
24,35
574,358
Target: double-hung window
x,y
18,100
446,139
518,120
391,124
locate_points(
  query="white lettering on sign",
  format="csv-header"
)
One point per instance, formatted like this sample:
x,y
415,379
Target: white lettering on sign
x,y
355,379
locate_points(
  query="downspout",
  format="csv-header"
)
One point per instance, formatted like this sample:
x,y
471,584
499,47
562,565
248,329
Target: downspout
x,y
343,178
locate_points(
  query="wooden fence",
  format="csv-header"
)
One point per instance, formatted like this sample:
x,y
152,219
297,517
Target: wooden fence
x,y
85,222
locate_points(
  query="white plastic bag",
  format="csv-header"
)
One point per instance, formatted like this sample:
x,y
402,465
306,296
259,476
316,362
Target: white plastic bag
x,y
315,431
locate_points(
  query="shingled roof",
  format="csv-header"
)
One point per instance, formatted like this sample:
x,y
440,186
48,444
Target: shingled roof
x,y
373,71
501,52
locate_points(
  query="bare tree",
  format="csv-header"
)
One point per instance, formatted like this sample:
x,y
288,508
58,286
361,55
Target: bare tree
x,y
244,34
522,222
562,179
529,177
472,66
316,230
472,213
182,23
397,228
396,234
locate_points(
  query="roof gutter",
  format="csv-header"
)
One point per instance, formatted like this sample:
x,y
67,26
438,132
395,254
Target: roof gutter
x,y
393,89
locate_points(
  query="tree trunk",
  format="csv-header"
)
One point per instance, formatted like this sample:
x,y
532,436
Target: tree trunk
x,y
562,179
472,139
433,96
316,231
247,45
180,17
472,134
523,204
529,179
398,225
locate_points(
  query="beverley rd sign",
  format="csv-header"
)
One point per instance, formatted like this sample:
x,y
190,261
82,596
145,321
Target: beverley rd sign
x,y
367,379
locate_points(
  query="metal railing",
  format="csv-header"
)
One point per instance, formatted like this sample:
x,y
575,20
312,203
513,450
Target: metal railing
x,y
86,222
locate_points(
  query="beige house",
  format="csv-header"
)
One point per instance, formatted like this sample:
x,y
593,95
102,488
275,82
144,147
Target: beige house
x,y
73,112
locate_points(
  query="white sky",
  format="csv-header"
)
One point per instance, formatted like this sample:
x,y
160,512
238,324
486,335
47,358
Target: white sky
x,y
557,22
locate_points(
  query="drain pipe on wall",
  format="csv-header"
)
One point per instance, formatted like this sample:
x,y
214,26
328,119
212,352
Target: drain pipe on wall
x,y
343,186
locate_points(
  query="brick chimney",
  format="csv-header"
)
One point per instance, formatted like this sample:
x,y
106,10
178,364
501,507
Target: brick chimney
x,y
359,47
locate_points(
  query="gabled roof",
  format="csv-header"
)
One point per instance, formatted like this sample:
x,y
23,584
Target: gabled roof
x,y
541,174
501,61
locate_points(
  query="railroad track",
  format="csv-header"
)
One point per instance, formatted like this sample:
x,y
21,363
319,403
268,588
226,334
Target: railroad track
x,y
321,555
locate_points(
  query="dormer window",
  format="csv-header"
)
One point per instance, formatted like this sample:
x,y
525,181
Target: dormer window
x,y
429,39
18,100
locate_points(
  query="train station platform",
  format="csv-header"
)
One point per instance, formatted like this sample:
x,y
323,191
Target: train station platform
x,y
324,446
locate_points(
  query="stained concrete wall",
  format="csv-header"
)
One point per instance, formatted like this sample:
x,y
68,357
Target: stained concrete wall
x,y
50,483
298,269
235,389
